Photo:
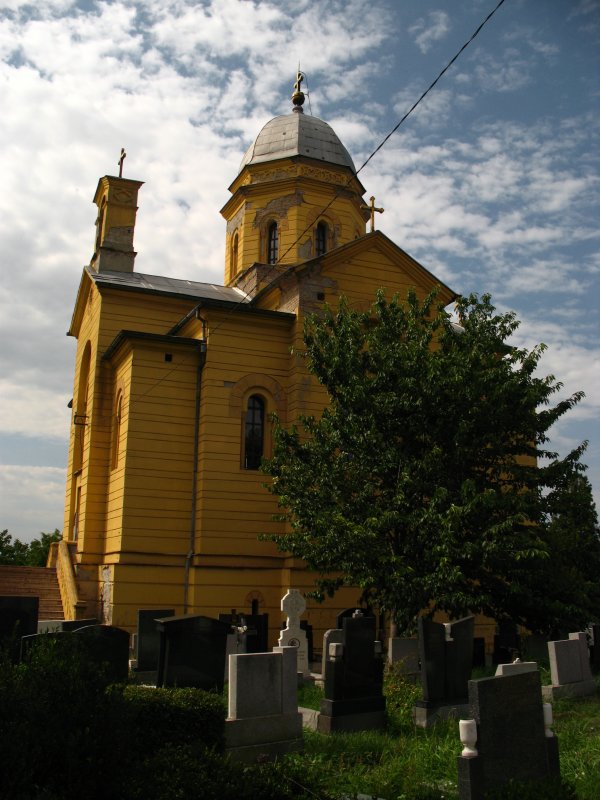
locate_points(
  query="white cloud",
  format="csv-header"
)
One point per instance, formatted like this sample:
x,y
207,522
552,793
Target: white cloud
x,y
430,29
30,495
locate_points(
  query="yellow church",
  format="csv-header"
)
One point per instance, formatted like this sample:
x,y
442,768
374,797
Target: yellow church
x,y
175,381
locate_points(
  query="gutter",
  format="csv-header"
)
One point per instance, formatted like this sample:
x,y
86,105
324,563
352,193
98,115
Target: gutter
x,y
192,544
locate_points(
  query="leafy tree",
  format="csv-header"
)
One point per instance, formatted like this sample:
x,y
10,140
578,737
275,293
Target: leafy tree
x,y
34,554
428,481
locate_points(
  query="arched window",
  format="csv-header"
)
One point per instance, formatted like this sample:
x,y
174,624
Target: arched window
x,y
117,430
272,243
321,238
234,254
254,432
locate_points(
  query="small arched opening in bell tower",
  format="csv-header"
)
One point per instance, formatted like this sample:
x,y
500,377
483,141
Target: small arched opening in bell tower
x,y
272,243
321,237
233,264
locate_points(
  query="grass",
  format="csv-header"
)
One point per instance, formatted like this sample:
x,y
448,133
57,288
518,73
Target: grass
x,y
407,763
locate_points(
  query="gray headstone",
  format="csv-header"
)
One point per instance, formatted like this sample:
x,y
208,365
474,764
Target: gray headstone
x,y
511,739
192,652
404,653
517,668
570,671
329,637
64,625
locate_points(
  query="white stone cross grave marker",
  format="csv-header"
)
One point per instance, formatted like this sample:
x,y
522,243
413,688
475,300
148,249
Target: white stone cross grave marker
x,y
293,605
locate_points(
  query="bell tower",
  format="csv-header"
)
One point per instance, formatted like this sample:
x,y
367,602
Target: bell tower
x,y
116,198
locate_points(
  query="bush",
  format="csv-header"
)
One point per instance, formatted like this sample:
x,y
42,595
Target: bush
x,y
176,716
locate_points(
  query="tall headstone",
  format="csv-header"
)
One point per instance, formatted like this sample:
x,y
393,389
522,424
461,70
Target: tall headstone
x,y
570,670
507,643
404,655
192,652
257,629
446,654
106,645
332,636
594,636
293,606
354,680
510,741
147,643
263,719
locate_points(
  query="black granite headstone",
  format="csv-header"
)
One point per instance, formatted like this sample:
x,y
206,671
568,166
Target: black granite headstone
x,y
594,647
18,617
106,645
507,643
446,661
147,647
64,625
511,740
257,633
192,652
348,613
353,684
479,651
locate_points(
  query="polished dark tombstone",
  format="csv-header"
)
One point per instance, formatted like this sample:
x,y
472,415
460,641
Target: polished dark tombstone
x,y
106,645
479,651
353,681
348,613
192,652
147,643
446,655
507,643
511,737
64,625
594,634
18,617
257,629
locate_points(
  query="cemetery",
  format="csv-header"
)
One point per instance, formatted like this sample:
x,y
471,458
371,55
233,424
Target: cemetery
x,y
185,709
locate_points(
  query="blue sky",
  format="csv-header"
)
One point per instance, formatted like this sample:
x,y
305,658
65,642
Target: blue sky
x,y
493,183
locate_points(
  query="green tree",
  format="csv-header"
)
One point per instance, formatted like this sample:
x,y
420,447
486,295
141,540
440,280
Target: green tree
x,y
18,553
428,478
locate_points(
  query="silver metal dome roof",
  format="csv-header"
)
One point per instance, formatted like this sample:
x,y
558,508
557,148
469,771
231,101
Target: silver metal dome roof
x,y
297,134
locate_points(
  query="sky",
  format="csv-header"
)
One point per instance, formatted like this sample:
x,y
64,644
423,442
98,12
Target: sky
x,y
492,183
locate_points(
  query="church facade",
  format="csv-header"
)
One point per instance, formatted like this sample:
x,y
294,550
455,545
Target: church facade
x,y
175,381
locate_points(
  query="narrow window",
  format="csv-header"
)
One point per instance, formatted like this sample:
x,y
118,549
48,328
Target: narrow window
x,y
117,430
254,431
321,239
273,243
234,254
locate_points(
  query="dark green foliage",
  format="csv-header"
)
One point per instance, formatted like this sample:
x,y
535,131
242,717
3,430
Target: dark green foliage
x,y
419,484
176,716
21,554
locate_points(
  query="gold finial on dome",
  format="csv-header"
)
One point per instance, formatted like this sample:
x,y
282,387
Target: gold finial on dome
x,y
298,95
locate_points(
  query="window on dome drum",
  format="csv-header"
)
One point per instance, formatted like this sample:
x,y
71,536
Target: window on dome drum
x,y
254,432
272,243
321,239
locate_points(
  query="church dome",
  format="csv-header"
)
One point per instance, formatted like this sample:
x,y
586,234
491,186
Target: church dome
x,y
297,134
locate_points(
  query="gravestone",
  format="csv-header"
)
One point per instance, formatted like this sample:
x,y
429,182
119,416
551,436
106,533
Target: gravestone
x,y
293,605
263,719
507,643
147,642
106,645
103,645
446,654
479,651
354,680
18,617
64,625
332,636
570,670
404,654
511,738
594,637
348,613
535,648
516,668
192,652
257,629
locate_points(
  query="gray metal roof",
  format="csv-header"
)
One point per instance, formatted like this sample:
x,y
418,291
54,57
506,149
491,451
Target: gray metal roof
x,y
297,134
170,286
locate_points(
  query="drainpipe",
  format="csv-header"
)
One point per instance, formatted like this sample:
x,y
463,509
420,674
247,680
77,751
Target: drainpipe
x,y
192,544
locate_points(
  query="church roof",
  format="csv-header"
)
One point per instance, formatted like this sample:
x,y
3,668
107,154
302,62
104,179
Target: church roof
x,y
297,134
175,287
